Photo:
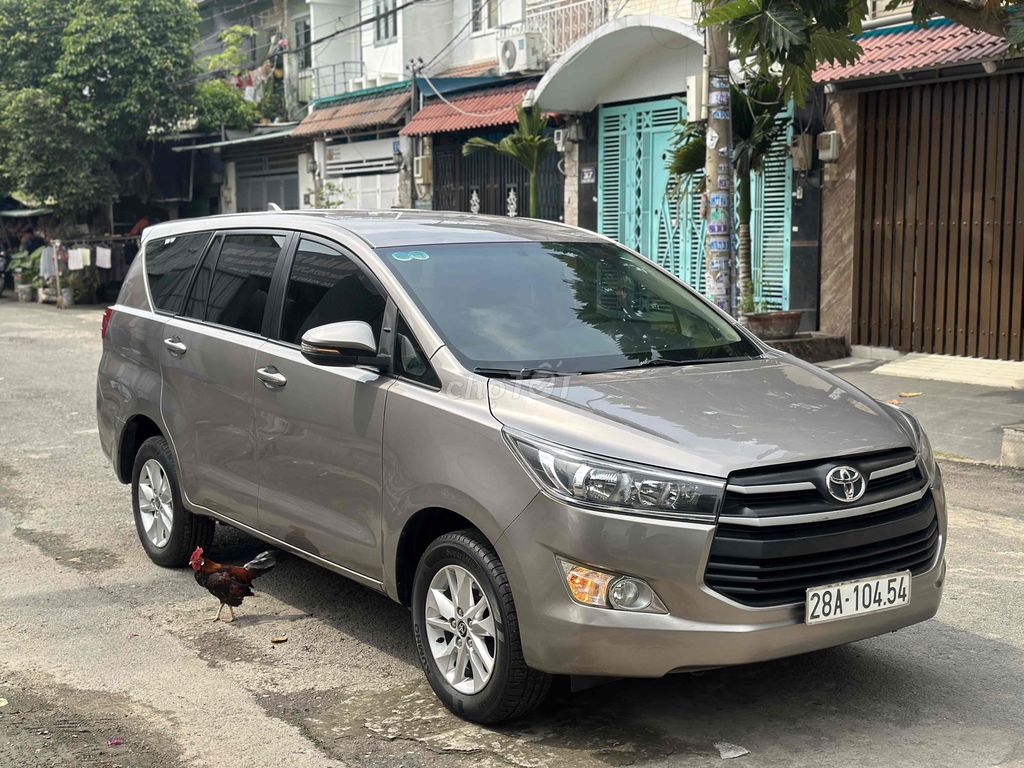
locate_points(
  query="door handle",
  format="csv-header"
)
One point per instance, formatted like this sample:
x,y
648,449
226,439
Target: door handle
x,y
175,345
271,377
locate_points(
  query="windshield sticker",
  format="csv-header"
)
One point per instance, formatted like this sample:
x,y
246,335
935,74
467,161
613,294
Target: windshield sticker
x,y
410,255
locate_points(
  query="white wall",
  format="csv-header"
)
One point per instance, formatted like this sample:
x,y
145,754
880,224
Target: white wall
x,y
324,15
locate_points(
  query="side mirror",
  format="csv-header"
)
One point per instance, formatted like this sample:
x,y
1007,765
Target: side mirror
x,y
349,343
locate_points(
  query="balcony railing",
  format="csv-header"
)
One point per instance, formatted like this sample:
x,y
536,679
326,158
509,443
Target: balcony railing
x,y
561,23
332,79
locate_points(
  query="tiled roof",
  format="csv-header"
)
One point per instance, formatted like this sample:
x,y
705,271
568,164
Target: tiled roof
x,y
476,69
476,109
908,48
387,109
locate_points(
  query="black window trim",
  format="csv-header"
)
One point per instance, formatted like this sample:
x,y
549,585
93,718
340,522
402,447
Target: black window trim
x,y
210,237
391,316
219,235
279,290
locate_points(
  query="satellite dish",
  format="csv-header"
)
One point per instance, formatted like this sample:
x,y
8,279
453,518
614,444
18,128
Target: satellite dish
x,y
273,207
509,54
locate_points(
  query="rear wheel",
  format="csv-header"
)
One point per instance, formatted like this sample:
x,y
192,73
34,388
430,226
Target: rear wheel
x,y
467,632
168,532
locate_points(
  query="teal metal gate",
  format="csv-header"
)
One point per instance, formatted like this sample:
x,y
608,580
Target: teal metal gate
x,y
633,207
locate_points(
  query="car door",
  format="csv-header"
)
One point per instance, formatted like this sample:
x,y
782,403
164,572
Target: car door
x,y
319,429
207,366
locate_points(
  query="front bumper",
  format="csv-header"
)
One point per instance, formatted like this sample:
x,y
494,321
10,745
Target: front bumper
x,y
702,627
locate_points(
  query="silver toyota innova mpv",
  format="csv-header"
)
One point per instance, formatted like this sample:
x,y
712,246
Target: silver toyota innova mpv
x,y
560,457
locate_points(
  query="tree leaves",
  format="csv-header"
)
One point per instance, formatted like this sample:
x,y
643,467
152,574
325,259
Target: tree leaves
x,y
527,145
782,28
834,47
85,82
731,11
1015,28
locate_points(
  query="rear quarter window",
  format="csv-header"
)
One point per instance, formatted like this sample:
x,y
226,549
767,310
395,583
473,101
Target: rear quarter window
x,y
169,265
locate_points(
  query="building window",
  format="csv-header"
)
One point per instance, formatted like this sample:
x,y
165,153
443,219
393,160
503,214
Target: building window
x,y
386,20
485,15
303,38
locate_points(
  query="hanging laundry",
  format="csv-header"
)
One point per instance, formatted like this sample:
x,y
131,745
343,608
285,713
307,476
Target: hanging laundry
x,y
87,256
48,262
75,261
102,257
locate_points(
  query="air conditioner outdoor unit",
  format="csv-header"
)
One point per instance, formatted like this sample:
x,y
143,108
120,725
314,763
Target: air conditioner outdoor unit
x,y
521,53
423,169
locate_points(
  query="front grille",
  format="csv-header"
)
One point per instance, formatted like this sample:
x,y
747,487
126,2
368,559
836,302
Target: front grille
x,y
741,502
770,565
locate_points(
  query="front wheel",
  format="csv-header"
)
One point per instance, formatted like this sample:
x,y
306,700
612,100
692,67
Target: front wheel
x,y
168,531
467,633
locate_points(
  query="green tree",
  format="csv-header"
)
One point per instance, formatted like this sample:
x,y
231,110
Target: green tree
x,y
220,105
527,145
792,37
756,123
85,82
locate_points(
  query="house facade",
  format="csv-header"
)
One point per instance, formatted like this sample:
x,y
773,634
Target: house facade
x,y
923,193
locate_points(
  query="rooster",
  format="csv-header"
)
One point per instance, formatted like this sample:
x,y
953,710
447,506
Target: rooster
x,y
229,583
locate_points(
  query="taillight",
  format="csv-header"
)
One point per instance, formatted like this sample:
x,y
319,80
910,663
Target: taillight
x,y
107,314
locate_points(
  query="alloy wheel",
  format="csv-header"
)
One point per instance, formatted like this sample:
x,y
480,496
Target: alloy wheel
x,y
460,629
156,503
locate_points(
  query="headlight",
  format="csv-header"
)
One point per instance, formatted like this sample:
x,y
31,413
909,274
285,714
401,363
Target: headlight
x,y
917,435
580,478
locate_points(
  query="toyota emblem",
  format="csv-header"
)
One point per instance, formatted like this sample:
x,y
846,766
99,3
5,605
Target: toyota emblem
x,y
845,484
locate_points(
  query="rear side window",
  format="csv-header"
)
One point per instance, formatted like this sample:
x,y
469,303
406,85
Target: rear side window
x,y
326,286
169,265
241,280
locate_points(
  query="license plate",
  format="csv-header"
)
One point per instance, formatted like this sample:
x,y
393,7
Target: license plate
x,y
855,598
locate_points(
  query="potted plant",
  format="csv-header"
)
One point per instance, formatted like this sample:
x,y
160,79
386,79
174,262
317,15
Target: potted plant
x,y
756,125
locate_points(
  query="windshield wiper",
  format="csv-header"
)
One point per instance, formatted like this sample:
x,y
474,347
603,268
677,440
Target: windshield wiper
x,y
668,361
517,373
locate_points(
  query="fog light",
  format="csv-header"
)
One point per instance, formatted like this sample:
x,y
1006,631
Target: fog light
x,y
590,586
587,585
630,594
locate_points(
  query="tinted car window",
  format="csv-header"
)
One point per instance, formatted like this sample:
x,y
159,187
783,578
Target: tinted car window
x,y
169,265
241,280
410,362
565,307
325,286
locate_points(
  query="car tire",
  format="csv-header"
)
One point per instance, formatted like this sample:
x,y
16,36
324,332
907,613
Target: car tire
x,y
510,688
169,533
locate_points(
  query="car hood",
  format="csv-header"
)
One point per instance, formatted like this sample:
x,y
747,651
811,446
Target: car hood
x,y
711,419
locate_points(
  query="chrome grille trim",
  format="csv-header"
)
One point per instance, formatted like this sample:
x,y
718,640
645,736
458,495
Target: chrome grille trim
x,y
832,514
895,469
803,485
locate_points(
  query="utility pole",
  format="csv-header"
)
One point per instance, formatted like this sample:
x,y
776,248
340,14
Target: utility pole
x,y
415,65
718,205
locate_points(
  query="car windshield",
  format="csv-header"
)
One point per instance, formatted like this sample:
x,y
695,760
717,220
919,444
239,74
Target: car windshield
x,y
560,308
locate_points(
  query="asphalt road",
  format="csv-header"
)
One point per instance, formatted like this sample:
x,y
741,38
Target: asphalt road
x,y
108,660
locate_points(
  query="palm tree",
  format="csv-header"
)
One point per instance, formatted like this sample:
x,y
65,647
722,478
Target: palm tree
x,y
755,125
527,145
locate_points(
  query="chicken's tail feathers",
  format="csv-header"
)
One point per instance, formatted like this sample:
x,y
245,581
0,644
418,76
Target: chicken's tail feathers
x,y
262,563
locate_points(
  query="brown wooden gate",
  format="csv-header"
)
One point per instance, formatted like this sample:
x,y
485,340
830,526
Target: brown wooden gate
x,y
939,255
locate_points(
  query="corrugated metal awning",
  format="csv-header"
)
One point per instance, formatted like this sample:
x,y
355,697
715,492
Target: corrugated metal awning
x,y
908,48
357,114
477,109
242,140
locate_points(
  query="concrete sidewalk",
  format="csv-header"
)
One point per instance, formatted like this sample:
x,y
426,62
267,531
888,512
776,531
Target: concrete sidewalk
x,y
963,420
